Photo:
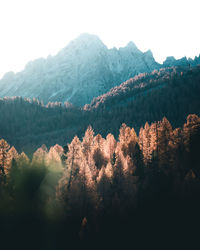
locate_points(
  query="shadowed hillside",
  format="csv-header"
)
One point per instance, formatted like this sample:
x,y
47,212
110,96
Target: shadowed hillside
x,y
171,92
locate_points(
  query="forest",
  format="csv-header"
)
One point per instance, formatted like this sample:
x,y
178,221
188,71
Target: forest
x,y
139,188
28,123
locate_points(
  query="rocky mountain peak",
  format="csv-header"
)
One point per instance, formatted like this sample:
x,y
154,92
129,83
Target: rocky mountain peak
x,y
149,53
131,45
85,42
84,69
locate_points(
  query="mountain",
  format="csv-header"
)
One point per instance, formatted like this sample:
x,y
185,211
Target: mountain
x,y
171,61
84,69
172,92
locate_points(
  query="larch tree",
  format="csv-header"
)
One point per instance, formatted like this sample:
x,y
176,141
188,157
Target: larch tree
x,y
127,140
13,156
87,149
73,160
104,188
191,137
109,147
176,145
39,157
140,138
128,144
144,142
23,160
87,187
54,157
153,132
109,170
70,173
13,153
98,152
118,173
4,159
164,137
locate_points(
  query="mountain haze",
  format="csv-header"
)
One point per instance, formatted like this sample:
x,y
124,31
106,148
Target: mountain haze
x,y
84,69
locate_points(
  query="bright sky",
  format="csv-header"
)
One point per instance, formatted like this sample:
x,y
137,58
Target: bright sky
x,y
30,29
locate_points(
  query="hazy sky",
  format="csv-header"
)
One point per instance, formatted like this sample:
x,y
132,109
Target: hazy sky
x,y
30,29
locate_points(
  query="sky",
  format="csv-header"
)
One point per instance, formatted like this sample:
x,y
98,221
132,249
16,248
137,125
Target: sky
x,y
31,29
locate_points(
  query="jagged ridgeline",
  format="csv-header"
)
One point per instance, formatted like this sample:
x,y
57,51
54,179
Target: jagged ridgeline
x,y
84,69
96,188
171,92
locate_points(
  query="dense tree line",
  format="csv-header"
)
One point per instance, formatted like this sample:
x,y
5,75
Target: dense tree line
x,y
27,124
99,189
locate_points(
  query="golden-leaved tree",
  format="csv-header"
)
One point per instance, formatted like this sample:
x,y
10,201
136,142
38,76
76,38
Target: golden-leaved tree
x,y
4,160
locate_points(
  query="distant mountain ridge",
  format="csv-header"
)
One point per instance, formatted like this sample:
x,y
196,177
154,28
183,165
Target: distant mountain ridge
x,y
84,69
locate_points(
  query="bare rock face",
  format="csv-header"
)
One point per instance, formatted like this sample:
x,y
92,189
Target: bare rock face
x,y
84,69
171,61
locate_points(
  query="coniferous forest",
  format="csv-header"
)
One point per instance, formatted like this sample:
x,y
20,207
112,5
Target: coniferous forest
x,y
172,92
99,125
139,188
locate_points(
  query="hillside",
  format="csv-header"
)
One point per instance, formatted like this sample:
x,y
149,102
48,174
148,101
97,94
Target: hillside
x,y
172,92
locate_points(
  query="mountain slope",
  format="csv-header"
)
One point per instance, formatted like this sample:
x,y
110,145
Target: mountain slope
x,y
84,69
171,92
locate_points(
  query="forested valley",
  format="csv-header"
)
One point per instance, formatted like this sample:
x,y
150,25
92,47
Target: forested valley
x,y
171,92
137,188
